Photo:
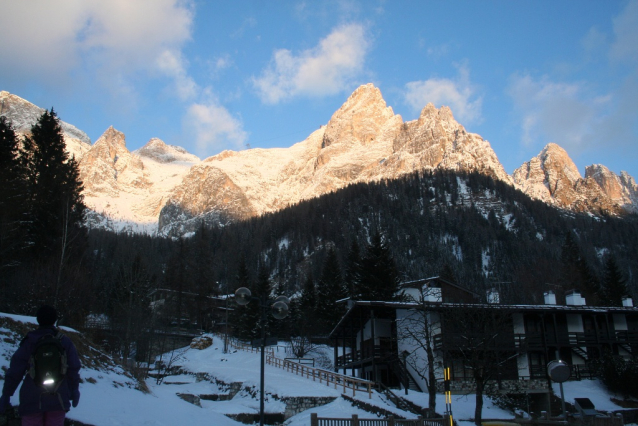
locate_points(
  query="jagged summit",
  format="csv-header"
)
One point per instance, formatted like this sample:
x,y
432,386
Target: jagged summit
x,y
360,119
108,167
159,151
622,190
554,178
23,114
364,141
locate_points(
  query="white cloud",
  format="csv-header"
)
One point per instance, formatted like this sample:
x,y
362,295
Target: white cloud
x,y
223,62
173,65
213,127
625,46
557,112
459,94
326,69
110,40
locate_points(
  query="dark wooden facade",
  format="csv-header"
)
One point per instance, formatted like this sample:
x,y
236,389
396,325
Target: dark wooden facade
x,y
367,343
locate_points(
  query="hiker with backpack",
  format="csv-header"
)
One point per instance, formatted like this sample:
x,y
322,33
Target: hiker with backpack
x,y
49,364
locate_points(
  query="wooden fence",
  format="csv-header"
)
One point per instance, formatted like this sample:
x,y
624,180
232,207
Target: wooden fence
x,y
316,374
315,420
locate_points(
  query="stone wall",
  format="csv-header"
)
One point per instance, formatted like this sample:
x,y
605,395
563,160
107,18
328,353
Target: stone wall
x,y
506,386
295,405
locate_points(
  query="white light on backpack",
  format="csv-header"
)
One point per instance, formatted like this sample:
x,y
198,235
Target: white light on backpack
x,y
48,382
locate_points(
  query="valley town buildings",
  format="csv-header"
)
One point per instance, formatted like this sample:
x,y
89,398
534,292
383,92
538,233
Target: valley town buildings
x,y
384,341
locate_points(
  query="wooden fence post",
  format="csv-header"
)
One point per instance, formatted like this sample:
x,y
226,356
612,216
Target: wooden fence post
x,y
355,420
391,421
314,421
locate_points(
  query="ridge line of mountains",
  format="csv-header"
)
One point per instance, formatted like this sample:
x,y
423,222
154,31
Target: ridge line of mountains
x,y
163,189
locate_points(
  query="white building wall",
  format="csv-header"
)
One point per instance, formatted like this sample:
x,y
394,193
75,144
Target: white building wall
x,y
575,323
521,360
382,328
620,322
407,318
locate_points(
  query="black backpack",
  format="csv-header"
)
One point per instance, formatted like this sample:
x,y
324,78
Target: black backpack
x,y
48,362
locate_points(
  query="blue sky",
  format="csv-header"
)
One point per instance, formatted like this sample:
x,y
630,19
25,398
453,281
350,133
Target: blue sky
x,y
213,75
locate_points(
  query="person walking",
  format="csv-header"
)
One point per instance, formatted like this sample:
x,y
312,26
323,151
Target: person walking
x,y
49,388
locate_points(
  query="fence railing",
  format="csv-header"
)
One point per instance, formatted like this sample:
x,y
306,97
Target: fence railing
x,y
316,374
322,376
315,420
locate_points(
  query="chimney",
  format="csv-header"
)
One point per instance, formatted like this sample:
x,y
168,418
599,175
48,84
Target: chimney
x,y
550,298
627,302
493,297
573,298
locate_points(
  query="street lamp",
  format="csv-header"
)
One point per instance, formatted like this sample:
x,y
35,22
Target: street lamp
x,y
279,310
226,320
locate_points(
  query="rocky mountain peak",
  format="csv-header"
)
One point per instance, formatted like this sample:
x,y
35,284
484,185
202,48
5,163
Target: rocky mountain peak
x,y
554,178
555,161
112,138
23,115
622,189
157,150
360,119
109,164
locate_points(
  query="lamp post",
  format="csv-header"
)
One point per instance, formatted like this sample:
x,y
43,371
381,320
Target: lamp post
x,y
226,313
279,310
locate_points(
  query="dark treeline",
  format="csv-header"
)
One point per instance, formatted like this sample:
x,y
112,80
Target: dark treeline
x,y
357,242
484,233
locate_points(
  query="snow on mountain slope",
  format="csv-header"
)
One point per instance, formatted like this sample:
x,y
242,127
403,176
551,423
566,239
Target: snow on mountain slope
x,y
163,188
126,189
23,115
364,141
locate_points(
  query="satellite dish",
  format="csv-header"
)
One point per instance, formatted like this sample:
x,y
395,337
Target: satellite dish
x,y
559,371
242,296
279,310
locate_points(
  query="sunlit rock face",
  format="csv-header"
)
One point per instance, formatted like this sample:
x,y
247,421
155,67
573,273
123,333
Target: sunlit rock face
x,y
363,141
163,188
554,178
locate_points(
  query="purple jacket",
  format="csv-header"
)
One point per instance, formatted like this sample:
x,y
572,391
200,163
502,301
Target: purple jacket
x,y
34,399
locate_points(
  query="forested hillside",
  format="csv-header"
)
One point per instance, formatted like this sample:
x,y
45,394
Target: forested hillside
x,y
483,232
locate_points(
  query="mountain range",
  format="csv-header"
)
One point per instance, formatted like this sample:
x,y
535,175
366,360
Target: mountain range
x,y
163,189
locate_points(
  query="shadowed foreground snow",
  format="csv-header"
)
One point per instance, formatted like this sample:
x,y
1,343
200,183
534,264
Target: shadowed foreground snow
x,y
110,398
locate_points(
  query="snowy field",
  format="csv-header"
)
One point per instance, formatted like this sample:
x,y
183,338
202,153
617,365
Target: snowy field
x,y
110,398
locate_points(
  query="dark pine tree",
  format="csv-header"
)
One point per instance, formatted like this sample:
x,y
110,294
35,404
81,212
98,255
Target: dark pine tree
x,y
615,284
303,318
379,279
330,289
12,197
244,318
353,268
55,191
447,273
576,272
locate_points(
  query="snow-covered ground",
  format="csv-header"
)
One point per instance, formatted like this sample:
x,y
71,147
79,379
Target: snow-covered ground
x,y
109,397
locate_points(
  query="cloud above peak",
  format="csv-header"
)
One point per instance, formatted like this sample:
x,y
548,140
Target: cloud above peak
x,y
329,68
457,93
106,41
